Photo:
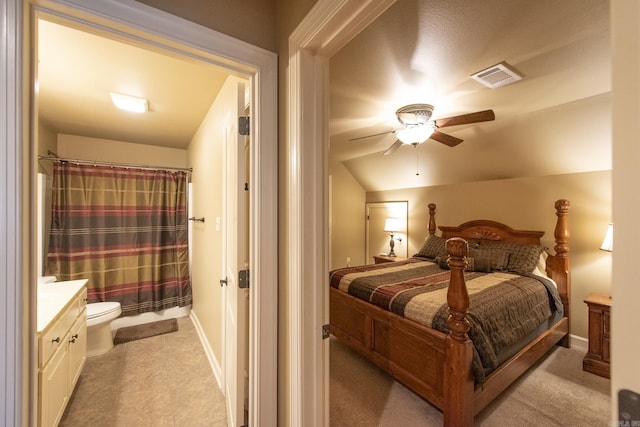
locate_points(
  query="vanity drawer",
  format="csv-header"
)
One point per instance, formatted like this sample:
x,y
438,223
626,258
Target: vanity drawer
x,y
53,338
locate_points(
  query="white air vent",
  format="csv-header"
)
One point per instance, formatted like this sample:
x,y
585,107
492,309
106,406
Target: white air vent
x,y
497,75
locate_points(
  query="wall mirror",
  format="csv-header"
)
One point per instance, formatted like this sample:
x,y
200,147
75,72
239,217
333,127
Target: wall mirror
x,y
379,217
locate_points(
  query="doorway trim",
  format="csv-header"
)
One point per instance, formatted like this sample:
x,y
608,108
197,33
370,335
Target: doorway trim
x,y
328,26
143,23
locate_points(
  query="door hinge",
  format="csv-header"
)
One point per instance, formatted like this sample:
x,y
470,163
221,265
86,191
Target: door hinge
x,y
243,279
325,332
243,125
223,282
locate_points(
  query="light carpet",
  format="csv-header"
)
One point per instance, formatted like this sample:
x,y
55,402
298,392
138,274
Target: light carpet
x,y
555,392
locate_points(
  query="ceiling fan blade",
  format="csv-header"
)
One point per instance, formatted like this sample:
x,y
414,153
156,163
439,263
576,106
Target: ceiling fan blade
x,y
393,147
480,116
371,136
449,140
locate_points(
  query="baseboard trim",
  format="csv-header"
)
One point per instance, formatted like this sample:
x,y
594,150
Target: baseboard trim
x,y
579,343
213,362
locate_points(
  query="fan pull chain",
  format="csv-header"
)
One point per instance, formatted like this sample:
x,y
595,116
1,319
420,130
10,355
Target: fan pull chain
x,y
415,145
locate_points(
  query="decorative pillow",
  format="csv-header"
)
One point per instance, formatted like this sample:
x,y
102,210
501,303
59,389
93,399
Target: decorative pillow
x,y
498,257
473,264
432,247
522,259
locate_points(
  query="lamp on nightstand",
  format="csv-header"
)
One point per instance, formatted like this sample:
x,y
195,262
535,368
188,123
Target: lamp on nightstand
x,y
392,225
607,243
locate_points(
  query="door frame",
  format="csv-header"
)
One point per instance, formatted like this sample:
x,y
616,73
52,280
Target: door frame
x,y
143,23
328,26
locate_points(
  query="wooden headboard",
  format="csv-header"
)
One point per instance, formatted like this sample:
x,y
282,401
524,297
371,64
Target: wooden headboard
x,y
491,230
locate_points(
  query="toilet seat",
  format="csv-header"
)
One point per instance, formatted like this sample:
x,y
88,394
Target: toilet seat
x,y
98,309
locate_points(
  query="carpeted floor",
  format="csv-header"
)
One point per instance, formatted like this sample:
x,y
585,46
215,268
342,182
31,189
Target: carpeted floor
x,y
557,392
164,380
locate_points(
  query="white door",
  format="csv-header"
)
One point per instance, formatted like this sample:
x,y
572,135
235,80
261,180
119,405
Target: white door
x,y
235,260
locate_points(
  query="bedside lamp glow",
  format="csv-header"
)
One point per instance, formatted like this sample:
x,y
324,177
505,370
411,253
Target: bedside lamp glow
x,y
392,225
607,243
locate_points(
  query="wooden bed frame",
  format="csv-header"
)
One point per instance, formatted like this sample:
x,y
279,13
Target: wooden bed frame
x,y
435,365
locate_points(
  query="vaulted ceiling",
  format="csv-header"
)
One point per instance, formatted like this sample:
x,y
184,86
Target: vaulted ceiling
x,y
555,120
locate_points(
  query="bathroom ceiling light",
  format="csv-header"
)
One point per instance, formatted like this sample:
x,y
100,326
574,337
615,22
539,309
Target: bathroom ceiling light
x,y
129,103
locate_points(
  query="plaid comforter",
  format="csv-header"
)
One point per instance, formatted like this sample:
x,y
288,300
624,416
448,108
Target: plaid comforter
x,y
504,307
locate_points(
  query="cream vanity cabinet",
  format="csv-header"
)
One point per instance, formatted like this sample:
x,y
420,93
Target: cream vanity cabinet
x,y
62,346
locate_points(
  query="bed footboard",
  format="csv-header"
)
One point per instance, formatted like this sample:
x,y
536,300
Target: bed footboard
x,y
411,353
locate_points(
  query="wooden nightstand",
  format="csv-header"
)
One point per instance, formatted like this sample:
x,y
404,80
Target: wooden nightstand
x,y
597,359
379,259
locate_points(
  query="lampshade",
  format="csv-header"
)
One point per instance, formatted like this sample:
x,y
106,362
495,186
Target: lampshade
x,y
415,134
392,225
607,243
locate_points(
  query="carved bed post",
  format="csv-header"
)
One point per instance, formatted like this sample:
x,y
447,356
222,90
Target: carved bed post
x,y
559,269
432,218
458,377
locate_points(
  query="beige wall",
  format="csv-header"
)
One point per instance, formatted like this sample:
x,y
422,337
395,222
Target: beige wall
x,y
347,218
46,140
253,21
107,150
524,203
205,157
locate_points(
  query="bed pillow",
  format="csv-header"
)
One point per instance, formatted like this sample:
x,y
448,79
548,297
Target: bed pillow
x,y
473,264
523,258
432,247
499,258
473,243
541,268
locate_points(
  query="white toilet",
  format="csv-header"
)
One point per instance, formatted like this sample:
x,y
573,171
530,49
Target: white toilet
x,y
99,318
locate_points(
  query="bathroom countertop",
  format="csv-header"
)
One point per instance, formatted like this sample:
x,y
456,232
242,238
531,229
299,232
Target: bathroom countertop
x,y
53,298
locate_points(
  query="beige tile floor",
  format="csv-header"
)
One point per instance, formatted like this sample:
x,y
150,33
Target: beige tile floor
x,y
159,381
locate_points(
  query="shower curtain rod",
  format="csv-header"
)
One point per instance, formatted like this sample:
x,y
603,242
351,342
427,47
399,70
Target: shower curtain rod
x,y
124,165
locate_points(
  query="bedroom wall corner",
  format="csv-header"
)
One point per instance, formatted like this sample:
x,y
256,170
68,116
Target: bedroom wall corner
x,y
347,218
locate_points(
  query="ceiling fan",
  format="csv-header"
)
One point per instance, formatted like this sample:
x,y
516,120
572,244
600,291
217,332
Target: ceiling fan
x,y
418,126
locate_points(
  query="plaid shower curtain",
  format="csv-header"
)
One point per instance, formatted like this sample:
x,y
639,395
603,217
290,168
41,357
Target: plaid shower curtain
x,y
125,230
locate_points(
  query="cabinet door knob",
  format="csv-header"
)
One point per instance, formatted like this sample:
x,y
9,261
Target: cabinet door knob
x,y
56,340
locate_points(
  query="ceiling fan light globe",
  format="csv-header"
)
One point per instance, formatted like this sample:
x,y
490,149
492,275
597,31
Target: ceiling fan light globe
x,y
414,134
